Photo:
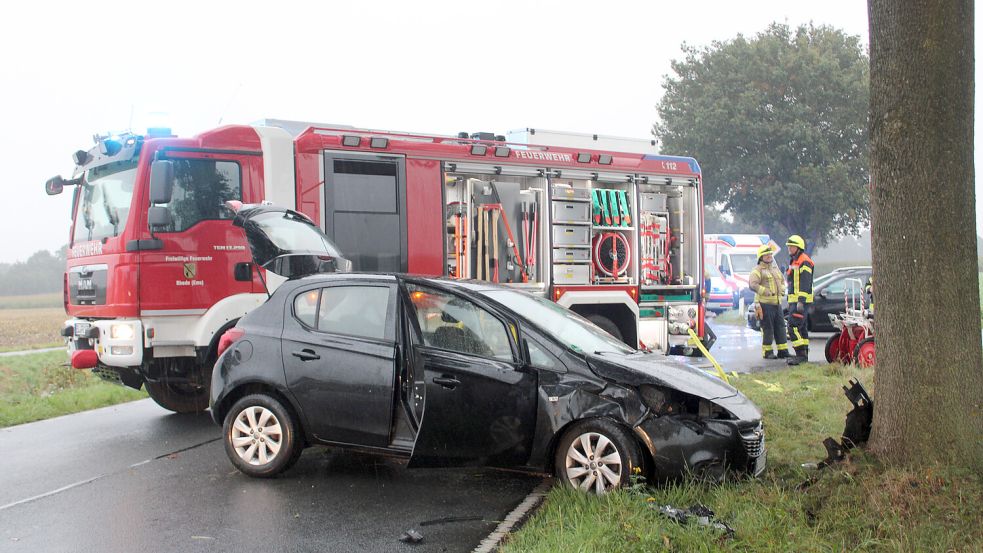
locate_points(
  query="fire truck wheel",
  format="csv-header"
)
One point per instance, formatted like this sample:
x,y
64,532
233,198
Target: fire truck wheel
x,y
179,397
865,354
260,436
833,348
607,325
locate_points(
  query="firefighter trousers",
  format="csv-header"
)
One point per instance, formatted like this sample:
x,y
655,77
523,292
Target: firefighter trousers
x,y
798,331
772,329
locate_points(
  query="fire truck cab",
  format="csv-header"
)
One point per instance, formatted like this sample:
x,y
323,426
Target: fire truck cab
x,y
156,271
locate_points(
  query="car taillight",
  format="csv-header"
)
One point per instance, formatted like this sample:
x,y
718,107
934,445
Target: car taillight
x,y
229,338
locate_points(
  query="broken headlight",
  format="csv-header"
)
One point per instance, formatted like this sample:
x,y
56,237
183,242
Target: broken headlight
x,y
710,410
660,401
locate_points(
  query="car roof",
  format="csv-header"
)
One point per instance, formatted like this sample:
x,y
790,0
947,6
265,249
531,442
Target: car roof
x,y
467,285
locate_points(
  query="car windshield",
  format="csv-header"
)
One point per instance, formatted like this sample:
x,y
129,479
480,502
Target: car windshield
x,y
713,271
743,262
570,329
104,201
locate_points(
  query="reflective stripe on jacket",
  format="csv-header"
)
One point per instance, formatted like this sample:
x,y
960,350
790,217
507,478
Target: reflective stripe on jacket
x,y
767,283
800,278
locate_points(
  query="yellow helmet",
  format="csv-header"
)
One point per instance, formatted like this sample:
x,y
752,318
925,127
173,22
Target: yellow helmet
x,y
764,250
797,241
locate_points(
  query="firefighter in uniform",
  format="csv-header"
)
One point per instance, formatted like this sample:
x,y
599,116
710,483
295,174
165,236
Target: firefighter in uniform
x,y
799,297
768,285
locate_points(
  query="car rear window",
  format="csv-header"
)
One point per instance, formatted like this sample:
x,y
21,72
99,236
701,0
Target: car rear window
x,y
351,310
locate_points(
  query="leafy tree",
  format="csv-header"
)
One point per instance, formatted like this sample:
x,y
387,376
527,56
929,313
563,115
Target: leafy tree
x,y
41,272
779,125
715,222
929,357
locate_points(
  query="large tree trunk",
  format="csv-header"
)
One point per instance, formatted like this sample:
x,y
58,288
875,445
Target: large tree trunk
x,y
929,393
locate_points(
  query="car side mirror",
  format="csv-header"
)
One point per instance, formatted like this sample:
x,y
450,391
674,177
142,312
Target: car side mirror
x,y
823,294
161,181
159,217
55,185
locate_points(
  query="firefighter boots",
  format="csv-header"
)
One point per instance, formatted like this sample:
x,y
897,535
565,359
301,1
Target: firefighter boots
x,y
771,355
801,356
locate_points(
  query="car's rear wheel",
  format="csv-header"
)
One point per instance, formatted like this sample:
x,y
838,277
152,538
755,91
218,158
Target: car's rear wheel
x,y
865,354
261,436
597,456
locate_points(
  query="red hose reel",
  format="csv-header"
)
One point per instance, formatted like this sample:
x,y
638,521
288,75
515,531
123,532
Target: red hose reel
x,y
612,254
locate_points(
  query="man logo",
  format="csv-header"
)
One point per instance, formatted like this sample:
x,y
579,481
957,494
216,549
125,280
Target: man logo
x,y
190,270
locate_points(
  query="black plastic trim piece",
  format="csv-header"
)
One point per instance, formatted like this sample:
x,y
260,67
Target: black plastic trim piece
x,y
162,153
144,245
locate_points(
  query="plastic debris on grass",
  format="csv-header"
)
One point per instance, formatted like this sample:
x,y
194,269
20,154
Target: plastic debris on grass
x,y
700,514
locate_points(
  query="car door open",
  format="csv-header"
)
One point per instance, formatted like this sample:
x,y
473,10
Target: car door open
x,y
479,406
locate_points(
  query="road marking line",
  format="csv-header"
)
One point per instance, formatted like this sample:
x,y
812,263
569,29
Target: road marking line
x,y
101,476
52,492
519,514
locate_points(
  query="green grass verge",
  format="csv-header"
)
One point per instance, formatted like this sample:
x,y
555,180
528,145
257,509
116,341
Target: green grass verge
x,y
859,505
39,386
30,346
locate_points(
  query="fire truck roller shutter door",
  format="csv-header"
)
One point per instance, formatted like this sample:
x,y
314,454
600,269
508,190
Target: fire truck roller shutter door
x,y
365,209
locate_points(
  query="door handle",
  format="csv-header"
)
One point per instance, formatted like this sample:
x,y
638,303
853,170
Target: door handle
x,y
448,382
306,355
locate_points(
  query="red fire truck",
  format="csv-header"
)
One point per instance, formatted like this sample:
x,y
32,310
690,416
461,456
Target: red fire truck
x,y
156,273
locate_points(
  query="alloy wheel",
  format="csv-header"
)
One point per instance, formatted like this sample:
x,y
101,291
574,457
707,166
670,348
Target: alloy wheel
x,y
593,463
256,435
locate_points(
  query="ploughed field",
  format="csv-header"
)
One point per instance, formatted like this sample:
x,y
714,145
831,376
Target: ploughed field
x,y
30,322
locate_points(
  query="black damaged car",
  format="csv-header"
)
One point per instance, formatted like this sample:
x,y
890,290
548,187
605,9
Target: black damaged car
x,y
455,373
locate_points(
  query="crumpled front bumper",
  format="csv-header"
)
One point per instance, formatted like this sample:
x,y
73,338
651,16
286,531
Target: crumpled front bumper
x,y
682,444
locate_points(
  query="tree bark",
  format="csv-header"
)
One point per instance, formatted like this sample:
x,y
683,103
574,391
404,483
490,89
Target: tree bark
x,y
929,386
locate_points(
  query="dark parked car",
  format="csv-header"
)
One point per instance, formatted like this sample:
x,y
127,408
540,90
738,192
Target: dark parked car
x,y
829,293
455,373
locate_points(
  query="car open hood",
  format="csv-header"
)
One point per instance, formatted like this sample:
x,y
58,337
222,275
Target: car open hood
x,y
288,243
653,368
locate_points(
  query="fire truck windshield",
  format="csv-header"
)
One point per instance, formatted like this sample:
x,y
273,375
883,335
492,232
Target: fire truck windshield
x,y
104,201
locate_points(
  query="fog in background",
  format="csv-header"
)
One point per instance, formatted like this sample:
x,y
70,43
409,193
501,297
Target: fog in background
x,y
70,70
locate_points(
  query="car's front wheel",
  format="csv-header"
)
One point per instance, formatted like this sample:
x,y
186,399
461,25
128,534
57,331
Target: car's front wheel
x,y
261,436
597,456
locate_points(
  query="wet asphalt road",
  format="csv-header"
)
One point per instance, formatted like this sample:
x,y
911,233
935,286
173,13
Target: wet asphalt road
x,y
135,478
738,348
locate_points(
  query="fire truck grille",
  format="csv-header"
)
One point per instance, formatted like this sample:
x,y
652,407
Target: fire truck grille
x,y
108,375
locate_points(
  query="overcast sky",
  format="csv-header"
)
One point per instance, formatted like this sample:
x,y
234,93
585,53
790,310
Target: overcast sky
x,y
71,70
